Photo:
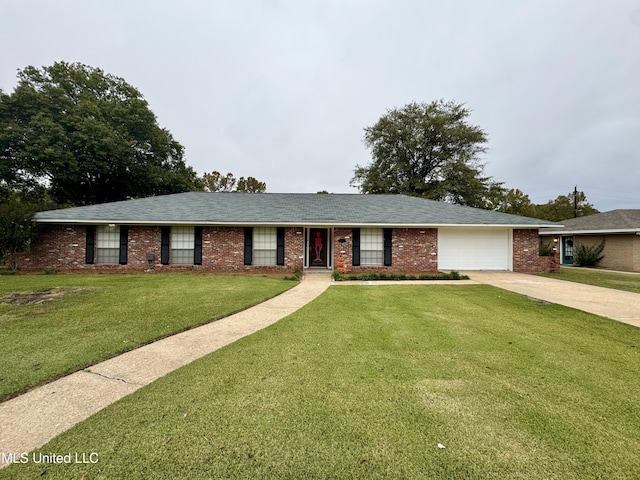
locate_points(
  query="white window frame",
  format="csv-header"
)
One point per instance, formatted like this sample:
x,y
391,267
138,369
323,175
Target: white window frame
x,y
372,247
108,244
182,245
264,245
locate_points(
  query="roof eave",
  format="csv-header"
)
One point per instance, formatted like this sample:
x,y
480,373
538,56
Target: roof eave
x,y
61,221
591,232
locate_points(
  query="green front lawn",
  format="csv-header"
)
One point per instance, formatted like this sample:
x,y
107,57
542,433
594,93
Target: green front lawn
x,y
371,382
51,325
601,278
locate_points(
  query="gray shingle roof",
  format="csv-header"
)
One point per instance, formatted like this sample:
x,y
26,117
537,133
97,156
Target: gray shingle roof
x,y
301,209
614,221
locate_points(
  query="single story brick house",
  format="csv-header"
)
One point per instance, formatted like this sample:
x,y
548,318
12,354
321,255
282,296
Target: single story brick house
x,y
285,232
620,229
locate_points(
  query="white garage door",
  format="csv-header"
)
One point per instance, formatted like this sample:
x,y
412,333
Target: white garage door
x,y
474,249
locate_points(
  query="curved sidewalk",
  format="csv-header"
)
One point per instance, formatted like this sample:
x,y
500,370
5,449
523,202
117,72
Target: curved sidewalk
x,y
615,304
29,421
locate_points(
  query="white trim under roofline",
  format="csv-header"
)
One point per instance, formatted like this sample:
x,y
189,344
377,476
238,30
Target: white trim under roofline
x,y
590,232
287,224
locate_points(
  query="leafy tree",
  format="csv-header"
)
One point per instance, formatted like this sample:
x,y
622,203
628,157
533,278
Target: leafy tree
x,y
426,150
88,137
518,203
512,201
562,208
17,228
251,185
216,182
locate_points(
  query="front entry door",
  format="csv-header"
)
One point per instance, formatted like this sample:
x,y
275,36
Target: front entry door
x,y
567,250
318,247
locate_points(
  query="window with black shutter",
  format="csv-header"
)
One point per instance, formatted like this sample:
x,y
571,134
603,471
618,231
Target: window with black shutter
x,y
355,250
248,245
197,254
280,246
124,244
90,252
165,232
388,232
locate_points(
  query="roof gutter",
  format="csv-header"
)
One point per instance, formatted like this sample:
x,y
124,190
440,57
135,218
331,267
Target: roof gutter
x,y
590,232
61,221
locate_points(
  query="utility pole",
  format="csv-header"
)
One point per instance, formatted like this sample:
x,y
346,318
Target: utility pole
x,y
575,202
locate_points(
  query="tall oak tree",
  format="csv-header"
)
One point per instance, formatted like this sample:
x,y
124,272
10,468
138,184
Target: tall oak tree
x,y
427,150
88,137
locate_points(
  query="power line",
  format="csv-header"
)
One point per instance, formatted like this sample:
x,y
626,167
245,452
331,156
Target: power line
x,y
607,194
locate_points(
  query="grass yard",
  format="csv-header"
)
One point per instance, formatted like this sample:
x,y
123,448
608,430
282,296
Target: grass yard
x,y
368,381
600,278
51,325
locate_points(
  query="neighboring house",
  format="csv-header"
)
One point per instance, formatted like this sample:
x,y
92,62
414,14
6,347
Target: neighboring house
x,y
620,229
231,232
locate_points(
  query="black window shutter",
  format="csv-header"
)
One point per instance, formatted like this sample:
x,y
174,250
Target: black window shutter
x,y
280,246
355,251
197,252
248,245
387,246
164,245
90,253
124,243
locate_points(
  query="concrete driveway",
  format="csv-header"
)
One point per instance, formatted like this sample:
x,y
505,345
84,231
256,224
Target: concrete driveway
x,y
615,304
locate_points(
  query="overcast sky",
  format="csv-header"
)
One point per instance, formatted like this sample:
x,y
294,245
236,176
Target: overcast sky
x,y
282,89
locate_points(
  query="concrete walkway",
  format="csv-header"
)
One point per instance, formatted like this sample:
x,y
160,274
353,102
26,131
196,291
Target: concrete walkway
x,y
29,421
614,304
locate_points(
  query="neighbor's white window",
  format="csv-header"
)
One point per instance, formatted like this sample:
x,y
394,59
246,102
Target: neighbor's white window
x,y
108,244
264,245
371,246
183,241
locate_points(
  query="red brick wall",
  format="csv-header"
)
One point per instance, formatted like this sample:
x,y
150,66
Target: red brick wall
x,y
58,247
413,250
294,248
62,247
525,253
342,253
142,240
223,250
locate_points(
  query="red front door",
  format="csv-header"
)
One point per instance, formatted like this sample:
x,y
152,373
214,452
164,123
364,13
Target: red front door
x,y
318,247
